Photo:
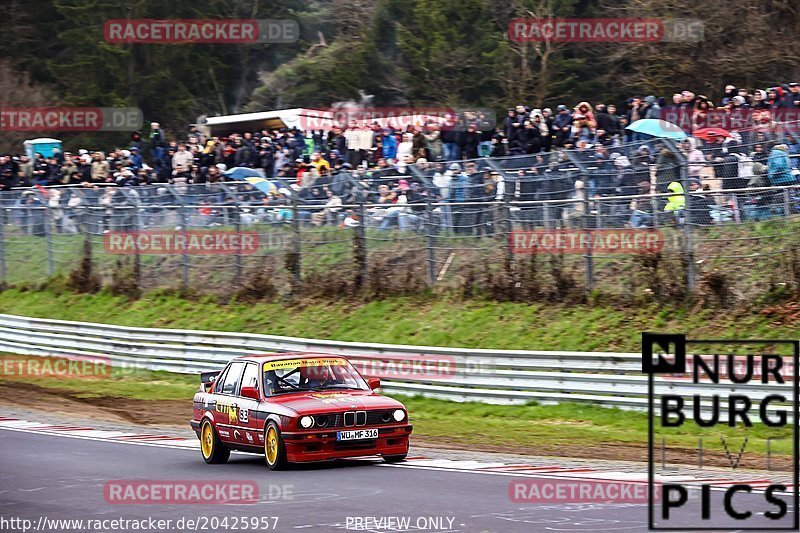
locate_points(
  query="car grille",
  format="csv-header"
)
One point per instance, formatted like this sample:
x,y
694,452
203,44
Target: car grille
x,y
355,419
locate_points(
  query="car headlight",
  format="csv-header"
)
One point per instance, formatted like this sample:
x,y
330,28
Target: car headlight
x,y
399,415
306,422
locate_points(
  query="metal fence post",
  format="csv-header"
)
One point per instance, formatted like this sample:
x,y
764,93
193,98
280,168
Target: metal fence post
x,y
683,165
509,257
29,222
48,234
787,204
687,226
137,257
237,277
3,269
431,241
361,245
87,234
184,255
588,259
296,262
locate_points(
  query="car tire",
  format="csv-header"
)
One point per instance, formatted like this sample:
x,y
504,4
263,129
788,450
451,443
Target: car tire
x,y
394,458
274,449
211,447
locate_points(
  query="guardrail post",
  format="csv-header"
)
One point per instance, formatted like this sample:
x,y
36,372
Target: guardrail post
x,y
431,241
48,234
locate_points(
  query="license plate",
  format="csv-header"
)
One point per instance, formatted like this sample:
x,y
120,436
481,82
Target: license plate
x,y
357,434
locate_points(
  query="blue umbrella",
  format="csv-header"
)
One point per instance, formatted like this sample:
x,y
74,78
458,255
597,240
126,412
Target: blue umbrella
x,y
657,128
253,176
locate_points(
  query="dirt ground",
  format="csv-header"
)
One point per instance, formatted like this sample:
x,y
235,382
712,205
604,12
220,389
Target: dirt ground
x,y
176,414
107,408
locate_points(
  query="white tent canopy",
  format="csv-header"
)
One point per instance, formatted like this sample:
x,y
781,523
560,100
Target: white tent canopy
x,y
307,119
302,118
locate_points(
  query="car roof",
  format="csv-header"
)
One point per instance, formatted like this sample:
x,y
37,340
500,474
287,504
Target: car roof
x,y
266,357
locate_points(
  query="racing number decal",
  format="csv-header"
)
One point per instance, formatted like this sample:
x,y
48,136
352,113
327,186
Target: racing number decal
x,y
243,416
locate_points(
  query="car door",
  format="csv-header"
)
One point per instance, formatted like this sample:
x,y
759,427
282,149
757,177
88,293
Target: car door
x,y
226,410
250,424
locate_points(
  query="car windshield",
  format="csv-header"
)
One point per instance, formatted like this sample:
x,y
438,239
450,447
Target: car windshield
x,y
315,374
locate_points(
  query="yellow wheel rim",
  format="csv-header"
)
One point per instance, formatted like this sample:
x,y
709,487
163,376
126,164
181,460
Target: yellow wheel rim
x,y
207,440
271,445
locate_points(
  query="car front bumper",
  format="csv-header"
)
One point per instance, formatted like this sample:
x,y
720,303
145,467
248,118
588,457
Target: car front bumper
x,y
309,446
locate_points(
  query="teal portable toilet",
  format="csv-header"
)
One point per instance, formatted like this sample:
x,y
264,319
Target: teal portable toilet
x,y
42,145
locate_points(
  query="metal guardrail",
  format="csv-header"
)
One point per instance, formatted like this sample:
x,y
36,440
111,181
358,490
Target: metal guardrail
x,y
490,376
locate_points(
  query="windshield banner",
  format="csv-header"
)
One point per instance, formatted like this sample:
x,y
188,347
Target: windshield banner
x,y
292,363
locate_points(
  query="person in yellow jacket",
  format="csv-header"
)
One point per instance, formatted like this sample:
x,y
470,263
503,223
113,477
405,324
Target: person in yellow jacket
x,y
677,202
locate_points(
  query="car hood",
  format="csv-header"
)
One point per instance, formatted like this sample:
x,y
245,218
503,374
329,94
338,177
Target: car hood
x,y
334,401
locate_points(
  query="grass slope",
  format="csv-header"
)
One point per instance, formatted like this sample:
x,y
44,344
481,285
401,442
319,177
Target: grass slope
x,y
409,320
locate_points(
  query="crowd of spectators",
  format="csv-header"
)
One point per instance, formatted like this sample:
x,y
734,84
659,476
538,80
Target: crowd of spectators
x,y
404,169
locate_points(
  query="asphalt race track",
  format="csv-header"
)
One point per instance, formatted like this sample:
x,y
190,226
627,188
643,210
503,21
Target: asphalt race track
x,y
63,478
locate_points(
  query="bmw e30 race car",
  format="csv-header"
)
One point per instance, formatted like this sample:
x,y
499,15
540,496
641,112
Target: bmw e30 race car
x,y
296,408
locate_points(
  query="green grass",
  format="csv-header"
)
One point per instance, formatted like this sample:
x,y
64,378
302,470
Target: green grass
x,y
428,320
553,426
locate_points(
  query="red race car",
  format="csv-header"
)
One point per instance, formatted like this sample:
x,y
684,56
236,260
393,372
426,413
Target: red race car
x,y
296,408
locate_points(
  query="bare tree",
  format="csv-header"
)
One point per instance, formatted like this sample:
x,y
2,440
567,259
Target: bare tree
x,y
16,90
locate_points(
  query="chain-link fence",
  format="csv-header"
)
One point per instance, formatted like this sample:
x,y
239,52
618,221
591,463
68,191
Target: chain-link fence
x,y
658,220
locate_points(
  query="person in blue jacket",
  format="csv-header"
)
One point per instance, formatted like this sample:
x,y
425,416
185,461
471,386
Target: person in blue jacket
x,y
388,144
779,169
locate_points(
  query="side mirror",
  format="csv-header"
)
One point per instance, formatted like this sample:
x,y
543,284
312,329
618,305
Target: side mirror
x,y
250,392
373,383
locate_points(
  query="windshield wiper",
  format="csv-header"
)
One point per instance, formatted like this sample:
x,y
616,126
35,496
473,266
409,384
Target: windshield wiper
x,y
289,383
